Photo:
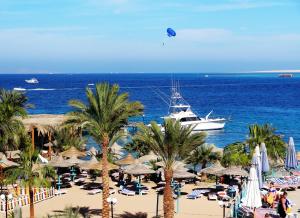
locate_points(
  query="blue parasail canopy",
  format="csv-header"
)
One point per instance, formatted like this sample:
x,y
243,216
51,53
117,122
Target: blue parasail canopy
x,y
171,32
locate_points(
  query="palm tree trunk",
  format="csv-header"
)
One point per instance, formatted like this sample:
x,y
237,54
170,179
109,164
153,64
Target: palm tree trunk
x,y
31,203
168,195
105,178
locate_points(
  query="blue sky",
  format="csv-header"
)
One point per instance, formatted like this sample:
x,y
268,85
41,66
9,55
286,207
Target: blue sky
x,y
95,36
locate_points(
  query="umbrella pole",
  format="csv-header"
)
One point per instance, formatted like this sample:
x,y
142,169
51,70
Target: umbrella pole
x,y
178,195
157,202
139,185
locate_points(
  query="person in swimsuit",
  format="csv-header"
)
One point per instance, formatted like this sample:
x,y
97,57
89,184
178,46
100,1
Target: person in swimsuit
x,y
282,205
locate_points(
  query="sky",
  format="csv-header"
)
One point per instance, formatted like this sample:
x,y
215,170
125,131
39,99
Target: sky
x,y
98,36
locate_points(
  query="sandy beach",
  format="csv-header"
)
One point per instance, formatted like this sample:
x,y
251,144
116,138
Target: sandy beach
x,y
77,197
91,204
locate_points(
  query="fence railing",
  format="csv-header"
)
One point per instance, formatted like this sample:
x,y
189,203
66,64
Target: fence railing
x,y
23,199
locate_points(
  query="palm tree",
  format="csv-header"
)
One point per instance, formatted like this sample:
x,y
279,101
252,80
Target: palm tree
x,y
66,137
136,146
235,154
105,113
31,173
12,105
266,133
173,144
203,154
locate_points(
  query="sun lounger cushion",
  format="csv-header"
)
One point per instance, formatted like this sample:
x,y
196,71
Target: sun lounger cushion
x,y
94,191
127,192
194,194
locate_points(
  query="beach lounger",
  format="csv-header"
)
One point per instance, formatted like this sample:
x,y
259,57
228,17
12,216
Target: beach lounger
x,y
95,191
212,196
79,180
127,192
194,194
144,192
60,192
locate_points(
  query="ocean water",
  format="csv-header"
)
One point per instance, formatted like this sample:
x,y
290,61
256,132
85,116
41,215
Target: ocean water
x,y
242,98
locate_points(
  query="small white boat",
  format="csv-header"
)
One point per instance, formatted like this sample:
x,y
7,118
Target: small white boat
x,y
32,81
19,89
91,84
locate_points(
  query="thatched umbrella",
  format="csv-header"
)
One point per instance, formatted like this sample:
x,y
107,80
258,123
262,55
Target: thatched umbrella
x,y
98,166
74,160
148,157
182,174
213,169
177,164
233,171
138,169
129,159
87,164
73,152
59,162
179,173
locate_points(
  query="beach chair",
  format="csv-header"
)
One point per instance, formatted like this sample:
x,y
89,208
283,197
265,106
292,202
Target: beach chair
x,y
194,194
144,191
79,180
94,191
60,192
127,192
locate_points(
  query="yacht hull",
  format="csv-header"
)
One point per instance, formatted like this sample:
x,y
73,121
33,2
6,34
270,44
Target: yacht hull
x,y
205,126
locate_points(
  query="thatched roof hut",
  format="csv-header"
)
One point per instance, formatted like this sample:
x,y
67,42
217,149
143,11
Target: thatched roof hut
x,y
42,122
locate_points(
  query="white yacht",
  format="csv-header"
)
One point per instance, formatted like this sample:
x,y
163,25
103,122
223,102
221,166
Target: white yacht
x,y
180,110
32,81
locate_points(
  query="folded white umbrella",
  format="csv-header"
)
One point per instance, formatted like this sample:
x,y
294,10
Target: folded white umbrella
x,y
252,198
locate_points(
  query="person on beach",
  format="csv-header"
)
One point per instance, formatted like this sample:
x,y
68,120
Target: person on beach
x,y
283,205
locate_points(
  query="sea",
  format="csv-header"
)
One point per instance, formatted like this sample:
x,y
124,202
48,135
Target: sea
x,y
243,99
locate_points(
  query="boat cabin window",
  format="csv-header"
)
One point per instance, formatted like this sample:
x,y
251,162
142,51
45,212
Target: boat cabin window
x,y
185,119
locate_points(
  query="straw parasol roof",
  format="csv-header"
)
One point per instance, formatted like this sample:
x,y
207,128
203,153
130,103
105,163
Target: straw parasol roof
x,y
233,171
43,121
59,161
177,164
138,169
13,154
214,169
182,174
87,164
74,161
129,159
98,166
148,157
4,163
73,152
